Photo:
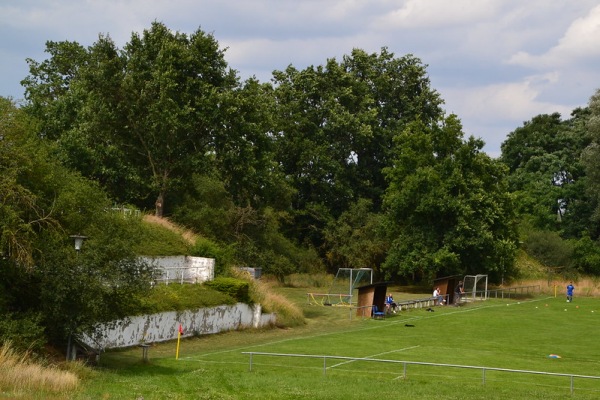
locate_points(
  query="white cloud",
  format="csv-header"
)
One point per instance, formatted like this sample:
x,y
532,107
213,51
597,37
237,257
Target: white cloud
x,y
496,63
580,41
436,13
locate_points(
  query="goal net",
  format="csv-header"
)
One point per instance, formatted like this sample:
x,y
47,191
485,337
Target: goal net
x,y
344,287
475,287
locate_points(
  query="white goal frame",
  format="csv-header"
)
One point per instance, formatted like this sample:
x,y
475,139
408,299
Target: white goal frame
x,y
476,287
343,287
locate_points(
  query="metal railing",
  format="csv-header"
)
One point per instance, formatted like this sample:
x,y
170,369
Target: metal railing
x,y
406,363
179,275
512,292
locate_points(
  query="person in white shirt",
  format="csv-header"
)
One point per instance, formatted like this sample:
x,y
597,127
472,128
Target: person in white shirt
x,y
438,295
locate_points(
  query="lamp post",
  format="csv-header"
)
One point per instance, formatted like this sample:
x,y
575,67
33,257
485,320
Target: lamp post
x,y
78,239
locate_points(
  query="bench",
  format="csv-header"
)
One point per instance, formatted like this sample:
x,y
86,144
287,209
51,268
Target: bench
x,y
416,303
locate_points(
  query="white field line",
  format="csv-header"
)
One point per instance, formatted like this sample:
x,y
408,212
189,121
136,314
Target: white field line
x,y
373,356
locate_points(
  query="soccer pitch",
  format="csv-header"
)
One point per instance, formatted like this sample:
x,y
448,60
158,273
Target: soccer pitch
x,y
376,357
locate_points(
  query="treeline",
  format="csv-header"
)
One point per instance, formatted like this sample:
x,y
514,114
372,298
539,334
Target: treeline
x,y
352,163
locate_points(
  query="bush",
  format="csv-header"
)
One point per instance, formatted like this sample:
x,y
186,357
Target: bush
x,y
549,248
236,288
24,332
182,297
207,248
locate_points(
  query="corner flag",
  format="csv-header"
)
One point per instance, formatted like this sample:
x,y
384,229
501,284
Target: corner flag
x,y
179,333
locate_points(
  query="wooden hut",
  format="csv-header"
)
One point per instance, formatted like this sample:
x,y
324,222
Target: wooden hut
x,y
447,285
370,295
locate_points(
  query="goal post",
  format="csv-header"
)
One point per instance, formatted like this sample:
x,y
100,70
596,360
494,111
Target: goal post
x,y
476,287
346,282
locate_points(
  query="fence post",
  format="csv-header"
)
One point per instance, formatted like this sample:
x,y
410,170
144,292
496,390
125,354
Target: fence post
x,y
483,369
250,362
572,377
324,365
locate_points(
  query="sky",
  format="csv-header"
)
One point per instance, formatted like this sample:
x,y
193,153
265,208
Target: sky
x,y
496,63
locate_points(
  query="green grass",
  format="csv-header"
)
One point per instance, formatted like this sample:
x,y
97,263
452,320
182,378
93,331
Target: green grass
x,y
495,333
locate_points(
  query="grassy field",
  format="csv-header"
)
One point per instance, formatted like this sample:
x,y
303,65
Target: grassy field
x,y
511,334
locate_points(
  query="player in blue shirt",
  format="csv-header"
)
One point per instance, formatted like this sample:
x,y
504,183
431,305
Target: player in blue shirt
x,y
570,289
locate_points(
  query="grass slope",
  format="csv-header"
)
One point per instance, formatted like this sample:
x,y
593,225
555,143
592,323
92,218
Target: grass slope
x,y
496,333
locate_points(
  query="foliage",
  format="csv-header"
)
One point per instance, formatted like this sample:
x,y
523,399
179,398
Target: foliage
x,y
142,117
549,248
154,240
26,180
335,125
547,175
207,208
355,239
591,158
448,210
222,254
25,332
586,256
181,297
236,288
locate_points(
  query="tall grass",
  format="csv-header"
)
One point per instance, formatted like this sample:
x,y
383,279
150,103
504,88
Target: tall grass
x,y
21,375
288,313
584,286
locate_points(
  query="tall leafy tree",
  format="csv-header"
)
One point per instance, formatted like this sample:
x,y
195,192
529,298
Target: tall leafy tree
x,y
146,115
448,210
335,125
591,156
22,212
546,173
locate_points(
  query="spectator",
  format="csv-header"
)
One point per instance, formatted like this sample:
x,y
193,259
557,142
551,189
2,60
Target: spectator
x,y
438,296
459,290
390,304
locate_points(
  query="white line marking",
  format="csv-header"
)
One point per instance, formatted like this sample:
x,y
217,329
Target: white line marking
x,y
374,355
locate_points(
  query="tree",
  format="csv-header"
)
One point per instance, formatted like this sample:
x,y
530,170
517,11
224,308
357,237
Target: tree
x,y
447,206
22,213
145,116
335,125
41,204
546,173
591,155
355,239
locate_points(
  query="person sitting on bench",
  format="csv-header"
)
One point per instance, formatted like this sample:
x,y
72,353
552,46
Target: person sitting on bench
x,y
390,304
438,296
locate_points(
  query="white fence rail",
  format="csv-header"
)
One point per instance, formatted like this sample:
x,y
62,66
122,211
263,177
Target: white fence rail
x,y
406,363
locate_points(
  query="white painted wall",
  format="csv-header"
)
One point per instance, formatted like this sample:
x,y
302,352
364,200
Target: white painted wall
x,y
179,269
164,326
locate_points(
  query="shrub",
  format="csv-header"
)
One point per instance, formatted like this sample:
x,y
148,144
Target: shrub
x,y
236,288
182,297
207,248
25,332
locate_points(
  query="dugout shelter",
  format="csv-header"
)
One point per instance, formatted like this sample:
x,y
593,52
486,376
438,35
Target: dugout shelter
x,y
447,285
371,295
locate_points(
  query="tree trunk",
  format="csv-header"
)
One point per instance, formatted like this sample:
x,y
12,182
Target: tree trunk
x,y
159,205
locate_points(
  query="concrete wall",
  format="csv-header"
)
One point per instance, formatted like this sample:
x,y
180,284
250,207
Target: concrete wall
x,y
179,269
164,326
